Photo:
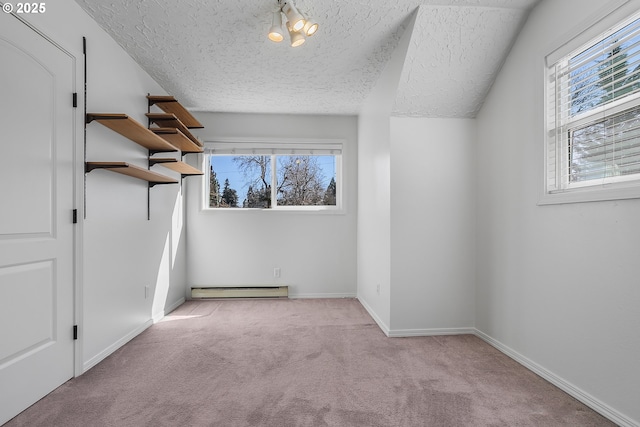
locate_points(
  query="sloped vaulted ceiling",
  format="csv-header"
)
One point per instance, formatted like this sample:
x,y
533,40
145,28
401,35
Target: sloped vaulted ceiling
x,y
215,56
453,57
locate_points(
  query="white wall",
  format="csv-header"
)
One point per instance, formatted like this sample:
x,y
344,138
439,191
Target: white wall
x,y
122,252
316,252
416,214
374,187
557,285
432,226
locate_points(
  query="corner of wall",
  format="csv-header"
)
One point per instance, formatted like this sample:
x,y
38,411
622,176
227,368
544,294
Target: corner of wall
x,y
374,175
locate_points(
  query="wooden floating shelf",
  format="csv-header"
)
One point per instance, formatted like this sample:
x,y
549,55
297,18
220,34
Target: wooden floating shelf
x,y
129,128
178,139
169,134
131,170
169,104
183,168
168,120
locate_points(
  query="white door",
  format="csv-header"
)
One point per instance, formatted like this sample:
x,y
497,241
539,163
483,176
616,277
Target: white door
x,y
36,230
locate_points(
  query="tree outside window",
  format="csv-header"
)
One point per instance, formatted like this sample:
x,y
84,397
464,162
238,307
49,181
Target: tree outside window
x,y
298,180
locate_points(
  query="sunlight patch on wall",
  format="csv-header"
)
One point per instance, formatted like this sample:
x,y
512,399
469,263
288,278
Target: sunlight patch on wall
x,y
176,228
162,282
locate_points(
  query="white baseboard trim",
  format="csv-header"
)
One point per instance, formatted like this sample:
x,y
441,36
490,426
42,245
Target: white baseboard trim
x,y
116,345
374,316
131,335
159,316
397,333
584,397
309,296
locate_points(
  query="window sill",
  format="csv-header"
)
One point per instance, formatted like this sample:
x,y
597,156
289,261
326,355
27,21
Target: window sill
x,y
310,210
600,193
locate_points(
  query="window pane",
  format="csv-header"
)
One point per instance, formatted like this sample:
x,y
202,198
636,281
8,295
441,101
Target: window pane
x,y
606,148
593,118
240,181
606,71
306,180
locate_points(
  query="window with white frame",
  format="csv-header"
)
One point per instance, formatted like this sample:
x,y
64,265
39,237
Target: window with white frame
x,y
593,114
274,175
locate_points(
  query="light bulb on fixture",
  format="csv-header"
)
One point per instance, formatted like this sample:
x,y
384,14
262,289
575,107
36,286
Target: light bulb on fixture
x,y
295,18
296,37
275,32
310,27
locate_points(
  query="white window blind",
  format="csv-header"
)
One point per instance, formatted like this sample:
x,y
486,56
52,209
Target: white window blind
x,y
258,147
593,112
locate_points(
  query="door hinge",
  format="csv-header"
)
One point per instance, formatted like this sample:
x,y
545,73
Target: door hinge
x,y
75,216
75,332
75,99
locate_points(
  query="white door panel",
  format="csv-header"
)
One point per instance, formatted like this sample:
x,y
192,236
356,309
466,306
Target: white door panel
x,y
36,230
34,87
31,326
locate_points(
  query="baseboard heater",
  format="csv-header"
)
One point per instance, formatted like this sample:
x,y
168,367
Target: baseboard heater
x,y
240,292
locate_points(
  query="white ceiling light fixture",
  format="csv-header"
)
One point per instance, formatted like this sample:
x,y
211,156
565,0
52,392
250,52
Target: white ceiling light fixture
x,y
310,27
297,25
275,32
295,18
297,38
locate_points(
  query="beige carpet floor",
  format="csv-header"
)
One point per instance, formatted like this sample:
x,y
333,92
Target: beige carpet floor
x,y
302,363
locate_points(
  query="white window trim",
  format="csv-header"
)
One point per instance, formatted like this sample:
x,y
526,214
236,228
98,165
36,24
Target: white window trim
x,y
279,146
611,188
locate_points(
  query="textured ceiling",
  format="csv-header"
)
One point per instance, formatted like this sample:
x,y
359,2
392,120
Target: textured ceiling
x,y
453,58
215,56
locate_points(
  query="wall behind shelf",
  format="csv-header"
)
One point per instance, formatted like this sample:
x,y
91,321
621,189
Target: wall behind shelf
x,y
122,252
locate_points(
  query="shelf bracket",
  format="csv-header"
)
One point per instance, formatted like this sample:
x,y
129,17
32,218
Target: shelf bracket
x,y
153,184
152,152
153,101
88,167
156,161
91,117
